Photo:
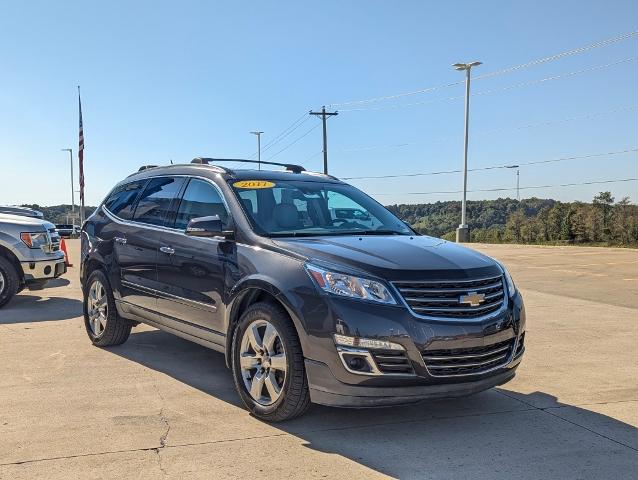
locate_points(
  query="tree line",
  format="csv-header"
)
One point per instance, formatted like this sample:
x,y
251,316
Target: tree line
x,y
604,221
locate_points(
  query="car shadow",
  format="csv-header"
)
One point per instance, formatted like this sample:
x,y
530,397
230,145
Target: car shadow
x,y
494,434
28,308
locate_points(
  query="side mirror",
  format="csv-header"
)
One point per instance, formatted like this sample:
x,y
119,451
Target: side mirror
x,y
208,227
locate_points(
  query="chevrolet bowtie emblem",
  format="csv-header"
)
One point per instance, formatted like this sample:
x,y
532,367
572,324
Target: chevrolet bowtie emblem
x,y
472,299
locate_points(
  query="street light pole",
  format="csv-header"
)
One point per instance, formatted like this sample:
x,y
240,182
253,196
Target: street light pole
x,y
463,232
258,134
70,150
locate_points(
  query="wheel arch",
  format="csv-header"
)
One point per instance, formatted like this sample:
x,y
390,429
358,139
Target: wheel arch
x,y
252,292
9,255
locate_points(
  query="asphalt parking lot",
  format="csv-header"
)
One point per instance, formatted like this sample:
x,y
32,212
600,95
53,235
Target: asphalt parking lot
x,y
159,406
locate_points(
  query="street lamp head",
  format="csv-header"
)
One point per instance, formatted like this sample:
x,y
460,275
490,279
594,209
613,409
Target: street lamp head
x,y
66,150
511,166
466,66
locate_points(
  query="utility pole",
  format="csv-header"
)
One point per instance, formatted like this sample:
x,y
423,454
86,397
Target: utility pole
x,y
70,150
258,134
323,114
518,191
463,232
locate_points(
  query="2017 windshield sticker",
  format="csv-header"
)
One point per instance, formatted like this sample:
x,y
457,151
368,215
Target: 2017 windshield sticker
x,y
253,184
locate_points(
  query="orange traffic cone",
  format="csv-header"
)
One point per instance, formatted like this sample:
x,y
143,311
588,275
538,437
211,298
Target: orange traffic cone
x,y
66,254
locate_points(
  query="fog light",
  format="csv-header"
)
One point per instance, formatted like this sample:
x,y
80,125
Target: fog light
x,y
356,363
372,343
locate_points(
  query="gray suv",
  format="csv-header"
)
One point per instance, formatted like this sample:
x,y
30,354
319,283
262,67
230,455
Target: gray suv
x,y
312,290
29,254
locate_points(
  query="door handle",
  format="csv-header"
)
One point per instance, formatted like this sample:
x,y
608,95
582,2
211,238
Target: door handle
x,y
120,240
167,250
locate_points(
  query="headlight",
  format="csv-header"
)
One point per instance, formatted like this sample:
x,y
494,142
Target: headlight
x,y
350,286
511,288
35,240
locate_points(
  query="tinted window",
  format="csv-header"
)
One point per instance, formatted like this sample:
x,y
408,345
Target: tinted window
x,y
156,199
122,199
200,199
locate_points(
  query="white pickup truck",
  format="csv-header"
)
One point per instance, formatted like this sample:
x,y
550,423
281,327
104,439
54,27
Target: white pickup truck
x,y
30,254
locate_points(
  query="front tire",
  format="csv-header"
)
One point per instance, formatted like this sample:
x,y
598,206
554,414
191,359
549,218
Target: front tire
x,y
268,364
9,281
103,325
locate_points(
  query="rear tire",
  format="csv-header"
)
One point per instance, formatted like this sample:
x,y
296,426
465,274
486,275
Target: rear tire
x,y
266,346
9,281
103,325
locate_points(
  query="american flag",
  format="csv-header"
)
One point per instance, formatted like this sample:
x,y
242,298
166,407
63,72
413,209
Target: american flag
x,y
81,151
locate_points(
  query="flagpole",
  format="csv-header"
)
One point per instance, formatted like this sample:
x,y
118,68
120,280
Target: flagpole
x,y
81,158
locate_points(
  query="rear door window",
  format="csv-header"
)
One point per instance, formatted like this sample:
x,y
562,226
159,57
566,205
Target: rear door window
x,y
121,202
155,202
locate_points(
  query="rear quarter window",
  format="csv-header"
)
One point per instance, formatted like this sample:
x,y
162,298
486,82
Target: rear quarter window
x,y
121,201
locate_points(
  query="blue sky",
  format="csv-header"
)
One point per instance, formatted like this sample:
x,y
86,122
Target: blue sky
x,y
175,80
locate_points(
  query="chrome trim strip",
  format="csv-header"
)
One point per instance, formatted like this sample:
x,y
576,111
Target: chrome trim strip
x,y
462,357
450,299
162,228
442,318
375,372
449,290
159,293
509,360
471,280
469,364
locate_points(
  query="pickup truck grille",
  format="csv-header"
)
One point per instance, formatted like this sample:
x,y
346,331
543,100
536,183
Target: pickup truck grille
x,y
454,298
54,236
467,361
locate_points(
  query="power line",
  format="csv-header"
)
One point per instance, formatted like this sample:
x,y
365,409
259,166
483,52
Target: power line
x,y
597,182
545,123
294,141
495,90
287,131
538,61
494,167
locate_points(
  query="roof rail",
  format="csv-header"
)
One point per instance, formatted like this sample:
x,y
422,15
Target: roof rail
x,y
146,167
288,166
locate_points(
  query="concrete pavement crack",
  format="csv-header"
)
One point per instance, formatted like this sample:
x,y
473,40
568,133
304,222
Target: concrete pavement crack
x,y
547,411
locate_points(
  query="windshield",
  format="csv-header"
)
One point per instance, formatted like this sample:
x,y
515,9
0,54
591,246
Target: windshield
x,y
298,208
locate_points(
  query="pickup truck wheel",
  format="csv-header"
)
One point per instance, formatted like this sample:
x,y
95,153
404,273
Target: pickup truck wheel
x,y
268,364
103,325
9,281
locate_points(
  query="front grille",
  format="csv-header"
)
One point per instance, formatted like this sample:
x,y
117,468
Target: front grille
x,y
392,361
467,361
443,298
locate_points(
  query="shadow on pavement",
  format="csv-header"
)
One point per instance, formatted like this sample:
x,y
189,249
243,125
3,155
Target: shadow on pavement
x,y
493,434
29,308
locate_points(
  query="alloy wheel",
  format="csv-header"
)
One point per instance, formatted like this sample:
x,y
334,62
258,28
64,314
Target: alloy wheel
x,y
262,360
2,283
97,308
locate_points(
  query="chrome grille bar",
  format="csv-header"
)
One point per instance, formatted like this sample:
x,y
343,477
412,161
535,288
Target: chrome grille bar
x,y
444,298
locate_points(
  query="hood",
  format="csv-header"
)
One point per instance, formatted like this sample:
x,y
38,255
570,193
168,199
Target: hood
x,y
34,223
395,257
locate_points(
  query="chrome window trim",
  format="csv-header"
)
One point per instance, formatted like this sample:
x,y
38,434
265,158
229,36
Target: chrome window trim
x,y
162,228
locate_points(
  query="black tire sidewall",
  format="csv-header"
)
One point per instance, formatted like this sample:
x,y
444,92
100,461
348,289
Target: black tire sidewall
x,y
11,281
281,322
111,317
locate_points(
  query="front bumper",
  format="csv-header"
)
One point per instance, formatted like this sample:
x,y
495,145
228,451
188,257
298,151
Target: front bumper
x,y
325,389
43,269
